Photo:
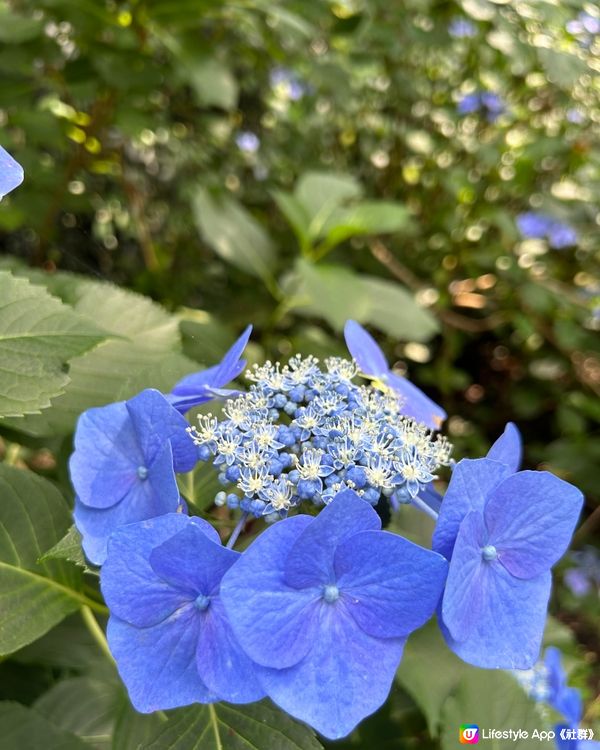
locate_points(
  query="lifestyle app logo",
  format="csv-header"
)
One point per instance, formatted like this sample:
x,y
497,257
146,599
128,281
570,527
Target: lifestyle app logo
x,y
468,734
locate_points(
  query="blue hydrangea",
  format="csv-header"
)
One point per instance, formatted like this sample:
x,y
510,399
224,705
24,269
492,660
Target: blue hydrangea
x,y
585,27
168,630
487,103
584,577
247,142
372,363
124,464
304,434
502,532
11,173
201,387
534,225
324,605
287,83
462,28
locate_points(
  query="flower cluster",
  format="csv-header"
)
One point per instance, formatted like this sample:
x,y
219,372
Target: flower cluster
x,y
304,434
316,611
533,225
487,103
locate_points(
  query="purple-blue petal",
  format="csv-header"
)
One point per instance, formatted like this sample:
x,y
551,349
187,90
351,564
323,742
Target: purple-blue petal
x,y
158,663
390,585
416,404
11,173
132,590
346,675
530,517
508,448
566,700
222,664
193,559
156,421
103,467
273,622
365,350
310,559
471,483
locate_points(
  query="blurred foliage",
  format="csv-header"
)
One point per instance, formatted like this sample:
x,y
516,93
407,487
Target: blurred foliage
x,y
293,164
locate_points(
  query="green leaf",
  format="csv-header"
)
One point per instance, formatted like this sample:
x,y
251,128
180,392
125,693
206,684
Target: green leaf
x,y
372,217
491,699
25,729
145,337
84,707
233,233
212,82
295,213
67,548
228,727
15,29
33,596
429,672
337,293
321,193
200,485
38,336
133,730
562,68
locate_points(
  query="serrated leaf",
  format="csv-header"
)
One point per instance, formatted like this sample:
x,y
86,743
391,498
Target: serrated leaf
x,y
38,336
491,699
145,336
23,728
229,727
233,233
33,596
67,548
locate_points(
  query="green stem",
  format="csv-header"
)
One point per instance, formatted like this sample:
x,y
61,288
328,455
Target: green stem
x,y
12,454
96,631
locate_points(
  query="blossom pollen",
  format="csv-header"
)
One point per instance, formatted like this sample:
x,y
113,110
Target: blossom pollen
x,y
489,552
142,472
331,593
202,602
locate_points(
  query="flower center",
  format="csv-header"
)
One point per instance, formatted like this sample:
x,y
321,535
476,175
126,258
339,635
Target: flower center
x,y
489,552
331,593
142,472
202,602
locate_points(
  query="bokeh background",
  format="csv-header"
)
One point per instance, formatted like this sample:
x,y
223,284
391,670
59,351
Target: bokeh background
x,y
430,168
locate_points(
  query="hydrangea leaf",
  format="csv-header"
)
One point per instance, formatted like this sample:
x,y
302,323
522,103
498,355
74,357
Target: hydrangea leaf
x,y
392,585
36,595
22,728
530,518
39,336
258,600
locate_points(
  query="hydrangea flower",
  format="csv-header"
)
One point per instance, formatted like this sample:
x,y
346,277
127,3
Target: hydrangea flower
x,y
585,27
534,225
11,173
501,532
168,630
124,464
324,606
372,362
487,103
247,142
462,28
200,387
585,576
287,83
304,434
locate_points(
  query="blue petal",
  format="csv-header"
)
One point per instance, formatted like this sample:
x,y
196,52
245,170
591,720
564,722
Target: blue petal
x,y
104,465
346,676
131,589
158,664
230,366
508,449
154,496
472,482
156,421
505,626
390,585
431,497
221,663
193,560
11,173
566,700
273,622
310,560
530,517
416,404
365,350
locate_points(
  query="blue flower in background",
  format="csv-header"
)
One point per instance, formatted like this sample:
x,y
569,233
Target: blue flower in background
x,y
372,362
200,387
11,173
324,605
501,532
585,27
462,28
566,700
124,464
487,103
247,142
168,630
534,225
585,576
287,82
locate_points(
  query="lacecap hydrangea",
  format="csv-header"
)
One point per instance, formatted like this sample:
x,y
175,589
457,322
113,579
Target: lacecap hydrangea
x,y
315,611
